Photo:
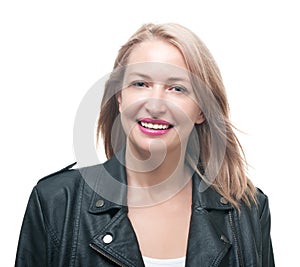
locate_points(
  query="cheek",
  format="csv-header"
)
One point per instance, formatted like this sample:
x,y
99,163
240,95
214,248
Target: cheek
x,y
185,120
126,100
191,112
129,112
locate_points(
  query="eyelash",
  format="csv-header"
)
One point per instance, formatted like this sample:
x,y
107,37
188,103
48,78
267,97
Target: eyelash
x,y
136,84
180,89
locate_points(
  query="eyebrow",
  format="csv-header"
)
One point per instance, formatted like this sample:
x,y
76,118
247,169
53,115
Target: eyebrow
x,y
171,79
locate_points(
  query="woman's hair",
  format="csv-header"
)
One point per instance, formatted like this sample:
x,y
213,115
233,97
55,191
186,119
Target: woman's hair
x,y
230,179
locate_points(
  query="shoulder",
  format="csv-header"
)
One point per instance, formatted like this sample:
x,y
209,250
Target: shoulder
x,y
68,181
257,209
261,196
66,177
65,189
262,203
58,188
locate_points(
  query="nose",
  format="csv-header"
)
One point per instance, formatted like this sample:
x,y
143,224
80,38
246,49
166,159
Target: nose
x,y
156,103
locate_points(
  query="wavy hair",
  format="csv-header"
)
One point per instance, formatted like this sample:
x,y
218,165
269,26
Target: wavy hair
x,y
228,172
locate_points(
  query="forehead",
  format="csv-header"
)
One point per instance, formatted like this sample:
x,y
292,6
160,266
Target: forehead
x,y
157,72
157,60
157,51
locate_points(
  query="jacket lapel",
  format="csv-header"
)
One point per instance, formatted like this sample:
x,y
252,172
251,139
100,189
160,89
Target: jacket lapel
x,y
208,243
117,241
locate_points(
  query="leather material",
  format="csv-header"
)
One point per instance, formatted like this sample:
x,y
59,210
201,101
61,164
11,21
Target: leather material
x,y
65,224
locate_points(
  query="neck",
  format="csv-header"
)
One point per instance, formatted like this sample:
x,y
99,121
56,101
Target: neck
x,y
155,179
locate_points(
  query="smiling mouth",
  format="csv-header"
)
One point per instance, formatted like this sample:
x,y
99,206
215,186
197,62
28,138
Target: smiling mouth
x,y
155,125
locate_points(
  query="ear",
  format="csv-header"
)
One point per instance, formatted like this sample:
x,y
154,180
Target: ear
x,y
119,99
200,118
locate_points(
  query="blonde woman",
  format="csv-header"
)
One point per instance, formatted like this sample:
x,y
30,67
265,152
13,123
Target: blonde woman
x,y
174,191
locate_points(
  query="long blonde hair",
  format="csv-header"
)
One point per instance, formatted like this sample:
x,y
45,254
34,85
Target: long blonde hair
x,y
231,181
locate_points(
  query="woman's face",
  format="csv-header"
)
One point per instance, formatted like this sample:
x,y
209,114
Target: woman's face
x,y
157,103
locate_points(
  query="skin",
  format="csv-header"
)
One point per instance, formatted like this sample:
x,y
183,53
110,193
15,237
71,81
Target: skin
x,y
158,91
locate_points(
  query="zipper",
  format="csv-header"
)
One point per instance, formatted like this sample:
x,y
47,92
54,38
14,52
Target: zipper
x,y
235,239
106,255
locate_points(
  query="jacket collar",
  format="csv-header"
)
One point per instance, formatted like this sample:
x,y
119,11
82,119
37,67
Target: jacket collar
x,y
206,197
109,190
109,187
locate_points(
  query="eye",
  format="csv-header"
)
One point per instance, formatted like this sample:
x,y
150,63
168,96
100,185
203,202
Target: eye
x,y
178,88
139,84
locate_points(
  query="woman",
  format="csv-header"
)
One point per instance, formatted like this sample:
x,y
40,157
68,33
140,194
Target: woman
x,y
174,191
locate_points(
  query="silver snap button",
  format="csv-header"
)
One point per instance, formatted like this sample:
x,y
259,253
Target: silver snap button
x,y
224,201
107,238
100,203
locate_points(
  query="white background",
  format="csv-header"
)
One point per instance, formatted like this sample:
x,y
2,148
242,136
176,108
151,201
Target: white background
x,y
52,52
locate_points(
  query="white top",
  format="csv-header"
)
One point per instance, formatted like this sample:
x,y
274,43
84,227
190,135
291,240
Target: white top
x,y
150,262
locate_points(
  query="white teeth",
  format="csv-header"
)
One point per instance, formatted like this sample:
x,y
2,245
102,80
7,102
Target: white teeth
x,y
154,126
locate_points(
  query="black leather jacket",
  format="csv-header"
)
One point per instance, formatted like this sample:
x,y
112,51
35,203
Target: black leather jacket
x,y
68,224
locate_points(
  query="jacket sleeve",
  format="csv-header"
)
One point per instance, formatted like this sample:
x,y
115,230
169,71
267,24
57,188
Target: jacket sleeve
x,y
32,247
265,222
